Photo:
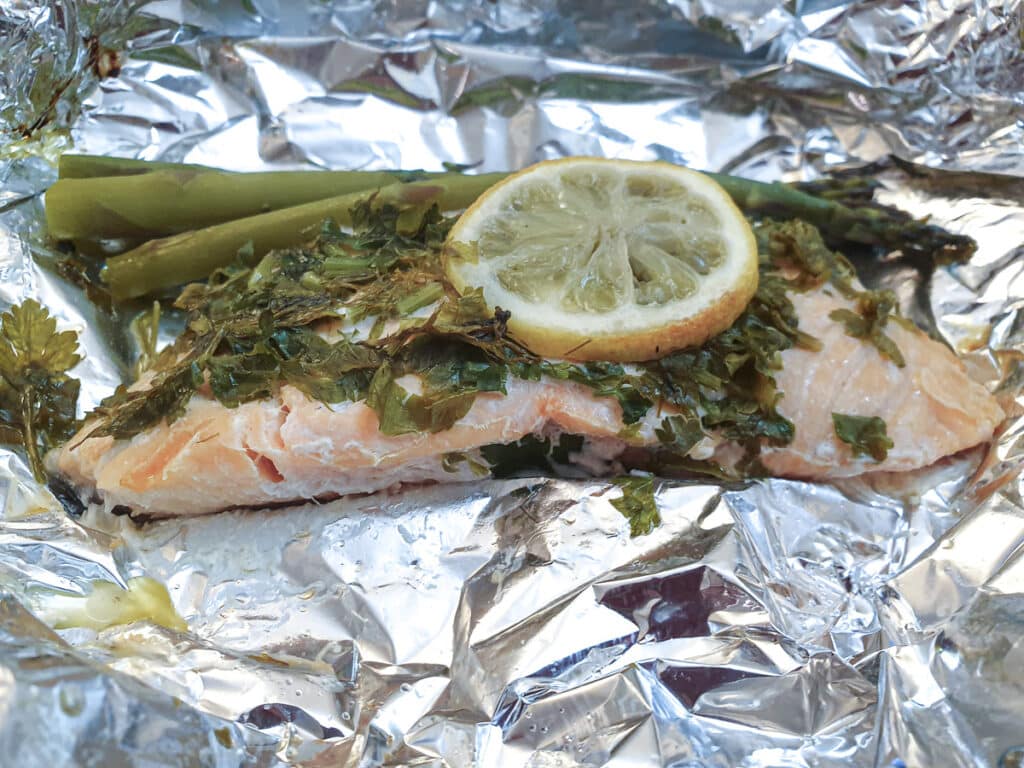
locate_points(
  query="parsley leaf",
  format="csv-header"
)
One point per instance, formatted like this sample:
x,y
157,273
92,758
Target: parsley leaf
x,y
864,434
874,308
37,397
680,433
637,504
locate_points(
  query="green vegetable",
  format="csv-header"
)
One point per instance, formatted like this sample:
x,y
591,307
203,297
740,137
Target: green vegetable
x,y
252,329
161,264
168,202
841,207
845,214
864,434
799,244
874,308
217,212
637,504
37,397
90,166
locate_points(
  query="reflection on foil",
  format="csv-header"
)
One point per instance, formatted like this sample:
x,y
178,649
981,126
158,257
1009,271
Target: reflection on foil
x,y
752,88
876,622
57,707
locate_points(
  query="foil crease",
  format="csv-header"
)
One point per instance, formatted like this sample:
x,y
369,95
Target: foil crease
x,y
873,622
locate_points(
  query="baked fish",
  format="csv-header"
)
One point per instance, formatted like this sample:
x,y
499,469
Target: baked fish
x,y
818,379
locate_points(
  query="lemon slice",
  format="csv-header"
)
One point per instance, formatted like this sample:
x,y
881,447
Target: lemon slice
x,y
607,259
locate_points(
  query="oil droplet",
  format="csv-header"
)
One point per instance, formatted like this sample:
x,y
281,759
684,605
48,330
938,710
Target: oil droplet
x,y
223,736
346,716
297,693
529,714
308,594
72,701
544,729
405,687
561,710
532,728
1012,758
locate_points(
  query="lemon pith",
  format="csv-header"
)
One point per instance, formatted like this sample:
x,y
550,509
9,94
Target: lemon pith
x,y
607,259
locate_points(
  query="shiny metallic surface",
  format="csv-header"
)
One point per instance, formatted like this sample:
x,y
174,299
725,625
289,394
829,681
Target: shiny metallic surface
x,y
873,622
61,708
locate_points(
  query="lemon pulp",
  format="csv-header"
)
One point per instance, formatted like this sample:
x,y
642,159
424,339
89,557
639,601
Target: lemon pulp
x,y
607,259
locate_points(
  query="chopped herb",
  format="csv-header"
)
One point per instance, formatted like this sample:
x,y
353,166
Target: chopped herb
x,y
800,244
864,434
253,328
637,504
874,308
731,378
390,401
145,327
423,296
680,433
606,379
37,397
127,412
240,378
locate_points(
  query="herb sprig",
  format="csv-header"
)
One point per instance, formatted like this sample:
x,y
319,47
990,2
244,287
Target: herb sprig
x,y
37,397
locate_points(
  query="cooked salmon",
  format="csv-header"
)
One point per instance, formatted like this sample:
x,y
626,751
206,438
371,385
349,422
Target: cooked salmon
x,y
290,448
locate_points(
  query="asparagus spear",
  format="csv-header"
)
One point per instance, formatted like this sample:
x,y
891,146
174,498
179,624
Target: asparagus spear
x,y
200,252
862,221
171,261
176,198
166,202
91,166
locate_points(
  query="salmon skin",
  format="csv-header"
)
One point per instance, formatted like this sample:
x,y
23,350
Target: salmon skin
x,y
289,448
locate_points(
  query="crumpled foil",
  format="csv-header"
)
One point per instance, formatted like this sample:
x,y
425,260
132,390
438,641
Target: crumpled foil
x,y
878,621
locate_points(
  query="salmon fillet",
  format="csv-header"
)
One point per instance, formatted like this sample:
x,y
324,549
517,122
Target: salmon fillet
x,y
289,448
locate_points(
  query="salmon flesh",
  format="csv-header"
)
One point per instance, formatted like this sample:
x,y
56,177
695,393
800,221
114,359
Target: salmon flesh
x,y
289,448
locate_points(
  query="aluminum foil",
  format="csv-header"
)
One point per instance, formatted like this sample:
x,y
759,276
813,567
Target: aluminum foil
x,y
874,622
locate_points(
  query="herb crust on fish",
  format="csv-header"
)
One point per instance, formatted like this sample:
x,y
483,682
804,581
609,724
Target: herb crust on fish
x,y
351,364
